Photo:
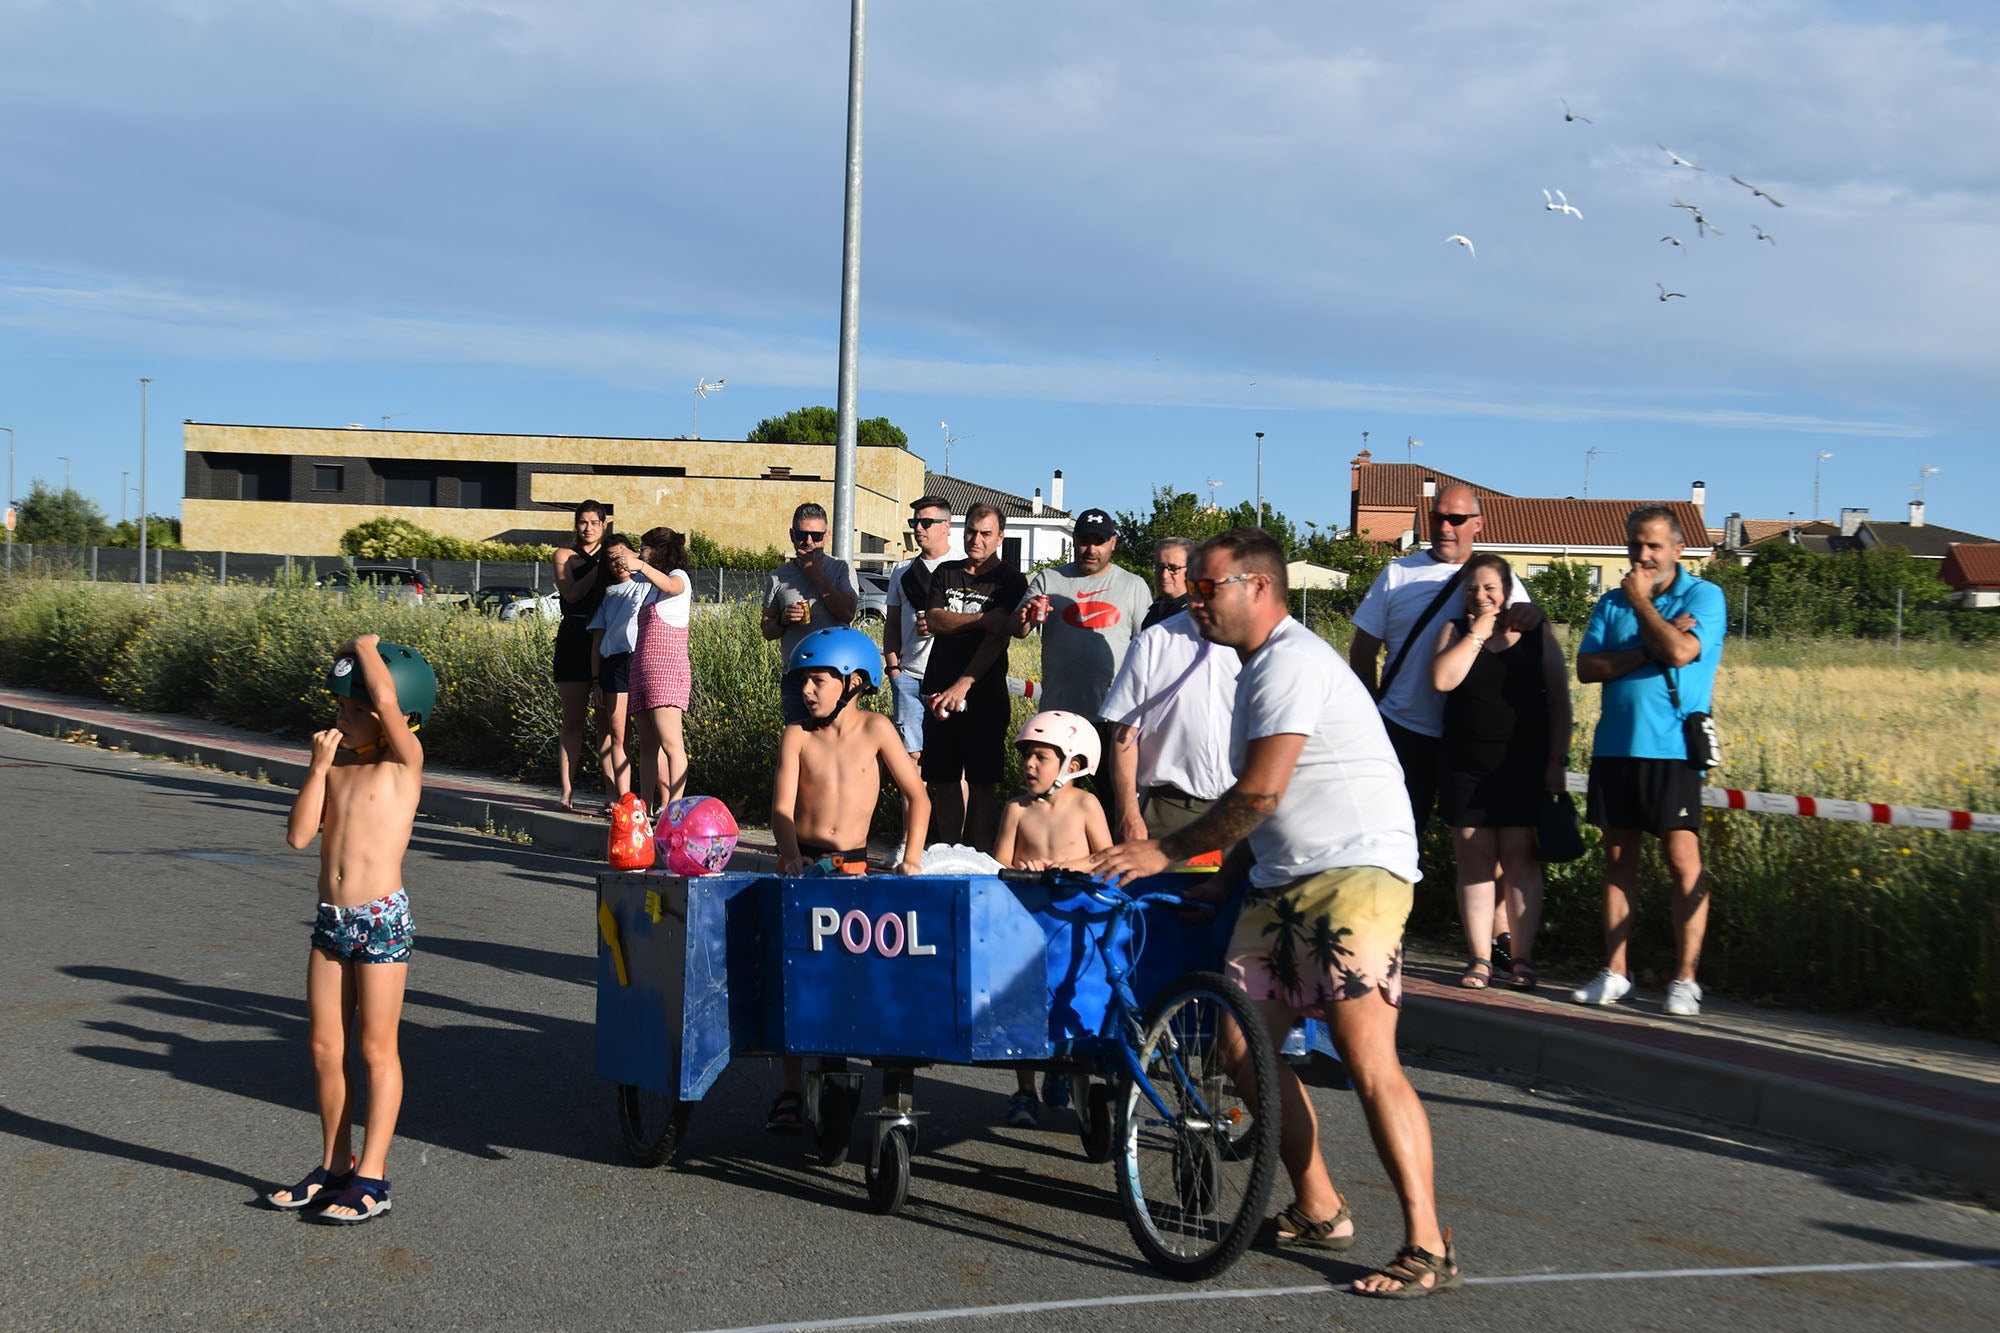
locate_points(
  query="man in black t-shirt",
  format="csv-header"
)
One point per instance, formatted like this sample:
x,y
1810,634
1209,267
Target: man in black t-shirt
x,y
965,683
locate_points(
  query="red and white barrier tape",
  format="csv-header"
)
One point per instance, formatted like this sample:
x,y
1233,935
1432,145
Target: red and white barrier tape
x,y
1821,807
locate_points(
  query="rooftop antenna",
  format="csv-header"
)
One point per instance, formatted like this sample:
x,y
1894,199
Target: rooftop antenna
x,y
1213,486
949,441
388,417
702,389
1589,454
1410,446
1922,477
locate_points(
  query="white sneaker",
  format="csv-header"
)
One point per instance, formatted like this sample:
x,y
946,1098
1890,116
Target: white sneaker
x,y
1607,987
1684,999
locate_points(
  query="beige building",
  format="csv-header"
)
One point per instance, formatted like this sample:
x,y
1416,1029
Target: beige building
x,y
289,490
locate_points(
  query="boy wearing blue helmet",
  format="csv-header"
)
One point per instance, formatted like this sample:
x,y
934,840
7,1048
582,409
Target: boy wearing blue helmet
x,y
829,776
360,797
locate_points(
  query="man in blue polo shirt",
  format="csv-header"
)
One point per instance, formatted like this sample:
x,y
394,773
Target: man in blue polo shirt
x,y
1654,643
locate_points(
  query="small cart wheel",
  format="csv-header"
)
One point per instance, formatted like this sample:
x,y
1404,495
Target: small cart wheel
x,y
1099,1111
651,1124
889,1180
1195,1180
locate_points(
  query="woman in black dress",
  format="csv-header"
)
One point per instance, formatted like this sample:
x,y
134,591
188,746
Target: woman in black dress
x,y
1506,746
580,586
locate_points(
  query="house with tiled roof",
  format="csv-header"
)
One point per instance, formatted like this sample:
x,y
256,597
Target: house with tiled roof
x,y
1972,569
1926,541
1036,532
1387,497
1742,537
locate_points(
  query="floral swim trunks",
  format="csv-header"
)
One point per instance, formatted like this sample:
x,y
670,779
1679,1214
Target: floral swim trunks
x,y
1333,936
377,932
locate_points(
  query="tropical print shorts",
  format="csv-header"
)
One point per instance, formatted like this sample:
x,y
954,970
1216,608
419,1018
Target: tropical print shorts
x,y
377,932
1333,936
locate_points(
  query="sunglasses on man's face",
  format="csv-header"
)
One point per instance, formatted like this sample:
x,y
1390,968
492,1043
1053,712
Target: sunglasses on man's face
x,y
1206,587
803,536
926,524
1453,519
1170,569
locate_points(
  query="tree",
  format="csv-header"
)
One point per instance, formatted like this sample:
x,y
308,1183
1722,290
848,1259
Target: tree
x,y
1563,591
59,518
821,425
162,533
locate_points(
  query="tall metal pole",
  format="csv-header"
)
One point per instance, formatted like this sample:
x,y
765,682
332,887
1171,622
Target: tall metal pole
x,y
850,297
10,498
1821,458
1260,478
143,383
124,501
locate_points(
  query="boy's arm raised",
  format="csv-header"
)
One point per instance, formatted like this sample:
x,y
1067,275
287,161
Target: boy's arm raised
x,y
396,734
310,806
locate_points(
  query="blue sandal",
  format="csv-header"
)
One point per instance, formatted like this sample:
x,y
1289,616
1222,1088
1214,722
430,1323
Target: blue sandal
x,y
368,1197
321,1184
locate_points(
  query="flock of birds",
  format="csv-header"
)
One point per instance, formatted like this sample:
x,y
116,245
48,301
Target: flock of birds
x,y
1558,202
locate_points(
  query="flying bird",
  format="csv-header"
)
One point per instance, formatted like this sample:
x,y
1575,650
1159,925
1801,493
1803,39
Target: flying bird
x,y
1666,295
1702,226
1569,115
1763,235
1564,207
1679,161
1675,239
1461,240
1754,190
1686,208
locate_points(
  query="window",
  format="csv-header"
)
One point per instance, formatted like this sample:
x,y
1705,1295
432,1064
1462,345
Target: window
x,y
1537,569
417,491
472,492
327,477
263,479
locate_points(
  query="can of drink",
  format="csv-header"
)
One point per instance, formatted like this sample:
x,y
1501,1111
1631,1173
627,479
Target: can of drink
x,y
1038,610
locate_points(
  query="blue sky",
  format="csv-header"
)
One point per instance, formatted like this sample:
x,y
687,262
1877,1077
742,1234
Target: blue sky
x,y
1114,238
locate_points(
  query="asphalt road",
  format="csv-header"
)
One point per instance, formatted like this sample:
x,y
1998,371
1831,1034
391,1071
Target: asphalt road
x,y
154,1081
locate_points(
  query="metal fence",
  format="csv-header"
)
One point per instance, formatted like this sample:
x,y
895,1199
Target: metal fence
x,y
120,564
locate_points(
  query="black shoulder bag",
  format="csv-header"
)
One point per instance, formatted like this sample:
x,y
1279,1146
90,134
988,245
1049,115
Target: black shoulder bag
x,y
1704,744
1417,631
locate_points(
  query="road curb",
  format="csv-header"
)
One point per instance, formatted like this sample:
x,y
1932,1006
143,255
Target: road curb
x,y
1957,1147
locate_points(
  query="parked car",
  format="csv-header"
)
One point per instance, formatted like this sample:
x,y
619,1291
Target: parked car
x,y
874,590
548,606
388,582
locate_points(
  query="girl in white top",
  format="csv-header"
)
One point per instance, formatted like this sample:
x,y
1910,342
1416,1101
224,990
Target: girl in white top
x,y
662,676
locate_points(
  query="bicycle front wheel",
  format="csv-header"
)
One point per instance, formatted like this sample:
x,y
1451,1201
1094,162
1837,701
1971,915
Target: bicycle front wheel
x,y
1196,1182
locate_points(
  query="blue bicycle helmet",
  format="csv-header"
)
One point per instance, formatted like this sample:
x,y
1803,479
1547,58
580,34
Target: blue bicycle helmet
x,y
416,683
841,650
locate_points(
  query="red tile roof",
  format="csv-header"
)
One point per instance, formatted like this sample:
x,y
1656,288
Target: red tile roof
x,y
1972,565
1401,485
1763,529
1519,521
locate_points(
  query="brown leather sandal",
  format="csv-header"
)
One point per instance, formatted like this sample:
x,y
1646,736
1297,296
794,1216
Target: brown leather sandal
x,y
1411,1266
1292,1229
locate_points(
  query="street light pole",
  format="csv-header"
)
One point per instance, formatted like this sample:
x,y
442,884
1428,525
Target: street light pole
x,y
144,381
123,478
64,460
1823,456
850,297
1260,478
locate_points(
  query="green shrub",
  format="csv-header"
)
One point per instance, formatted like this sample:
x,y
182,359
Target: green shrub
x,y
390,538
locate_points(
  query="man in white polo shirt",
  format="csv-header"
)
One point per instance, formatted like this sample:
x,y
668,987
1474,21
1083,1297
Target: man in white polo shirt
x,y
1169,711
1320,799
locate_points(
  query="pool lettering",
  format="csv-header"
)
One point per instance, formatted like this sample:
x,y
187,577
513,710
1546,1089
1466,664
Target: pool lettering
x,y
888,934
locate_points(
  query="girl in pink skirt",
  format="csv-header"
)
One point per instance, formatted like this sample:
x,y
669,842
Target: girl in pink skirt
x,y
661,674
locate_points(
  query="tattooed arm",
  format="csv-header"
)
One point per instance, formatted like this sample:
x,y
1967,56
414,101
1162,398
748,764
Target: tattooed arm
x,y
1267,772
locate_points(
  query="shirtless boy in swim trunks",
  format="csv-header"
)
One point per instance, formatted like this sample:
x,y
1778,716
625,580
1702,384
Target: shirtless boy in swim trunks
x,y
829,776
360,797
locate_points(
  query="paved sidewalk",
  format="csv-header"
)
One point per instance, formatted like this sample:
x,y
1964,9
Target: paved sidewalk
x,y
1925,1100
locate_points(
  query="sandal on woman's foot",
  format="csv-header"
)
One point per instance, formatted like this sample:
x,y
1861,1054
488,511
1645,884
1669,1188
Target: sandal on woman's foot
x,y
365,1198
1292,1228
312,1192
1410,1267
1524,974
1475,978
787,1114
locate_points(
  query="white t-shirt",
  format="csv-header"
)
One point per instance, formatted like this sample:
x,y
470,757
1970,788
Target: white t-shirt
x,y
1395,600
618,615
916,650
671,607
1179,691
1346,805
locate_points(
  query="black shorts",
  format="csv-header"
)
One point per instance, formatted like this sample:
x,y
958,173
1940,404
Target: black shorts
x,y
1651,795
572,664
1418,754
614,673
972,744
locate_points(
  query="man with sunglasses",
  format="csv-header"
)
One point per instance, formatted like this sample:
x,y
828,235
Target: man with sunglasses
x,y
812,590
1170,561
906,650
1320,800
1402,612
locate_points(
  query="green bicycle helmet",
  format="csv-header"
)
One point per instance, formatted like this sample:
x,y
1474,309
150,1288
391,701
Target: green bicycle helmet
x,y
416,683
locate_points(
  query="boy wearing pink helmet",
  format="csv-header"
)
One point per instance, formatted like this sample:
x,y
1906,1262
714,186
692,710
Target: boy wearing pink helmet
x,y
1051,823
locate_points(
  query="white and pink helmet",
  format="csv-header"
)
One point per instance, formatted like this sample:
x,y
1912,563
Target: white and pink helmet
x,y
1069,735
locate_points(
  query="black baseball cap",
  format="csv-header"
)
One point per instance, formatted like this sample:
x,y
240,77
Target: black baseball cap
x,y
1094,525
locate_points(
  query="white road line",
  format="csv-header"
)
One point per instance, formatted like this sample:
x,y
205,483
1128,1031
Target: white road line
x,y
1322,1289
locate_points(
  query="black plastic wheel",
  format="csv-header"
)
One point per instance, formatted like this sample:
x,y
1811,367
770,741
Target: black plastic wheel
x,y
651,1124
1098,1112
889,1182
1196,1184
837,1104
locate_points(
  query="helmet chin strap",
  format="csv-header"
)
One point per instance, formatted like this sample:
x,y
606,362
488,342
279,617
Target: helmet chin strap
x,y
847,696
379,743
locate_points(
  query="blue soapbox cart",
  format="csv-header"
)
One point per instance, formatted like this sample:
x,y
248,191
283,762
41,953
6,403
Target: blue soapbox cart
x,y
1115,989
